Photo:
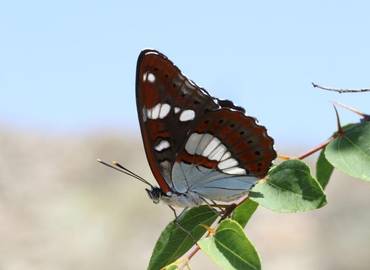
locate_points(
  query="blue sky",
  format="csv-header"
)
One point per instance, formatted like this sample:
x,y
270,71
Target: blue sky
x,y
69,66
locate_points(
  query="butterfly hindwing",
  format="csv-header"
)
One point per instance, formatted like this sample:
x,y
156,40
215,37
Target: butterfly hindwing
x,y
224,155
224,137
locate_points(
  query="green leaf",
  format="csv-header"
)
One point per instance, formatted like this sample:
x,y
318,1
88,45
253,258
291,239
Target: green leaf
x,y
230,248
324,169
289,187
243,212
174,241
350,152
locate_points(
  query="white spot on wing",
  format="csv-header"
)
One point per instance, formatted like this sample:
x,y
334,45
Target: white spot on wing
x,y
155,111
192,143
149,113
145,76
187,115
203,143
225,156
151,77
218,152
227,163
165,109
162,145
177,109
211,146
235,170
160,110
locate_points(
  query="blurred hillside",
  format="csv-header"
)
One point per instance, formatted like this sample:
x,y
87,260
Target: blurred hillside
x,y
60,209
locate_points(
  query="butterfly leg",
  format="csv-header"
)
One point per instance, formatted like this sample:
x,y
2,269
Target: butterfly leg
x,y
211,206
228,211
220,207
174,211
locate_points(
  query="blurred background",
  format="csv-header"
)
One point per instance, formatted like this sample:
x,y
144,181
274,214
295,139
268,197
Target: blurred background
x,y
67,97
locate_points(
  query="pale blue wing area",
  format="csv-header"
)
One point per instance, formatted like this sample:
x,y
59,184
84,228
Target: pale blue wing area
x,y
210,183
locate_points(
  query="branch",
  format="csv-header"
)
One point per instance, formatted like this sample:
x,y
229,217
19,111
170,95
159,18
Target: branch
x,y
193,252
366,117
315,149
340,91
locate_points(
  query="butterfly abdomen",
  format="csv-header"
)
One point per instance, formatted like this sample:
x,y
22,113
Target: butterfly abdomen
x,y
183,200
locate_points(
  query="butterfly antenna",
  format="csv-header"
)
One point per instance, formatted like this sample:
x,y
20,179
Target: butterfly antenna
x,y
127,170
118,167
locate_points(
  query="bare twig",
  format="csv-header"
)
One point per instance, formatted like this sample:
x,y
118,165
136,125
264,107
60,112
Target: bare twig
x,y
339,126
193,252
363,115
197,248
340,90
315,149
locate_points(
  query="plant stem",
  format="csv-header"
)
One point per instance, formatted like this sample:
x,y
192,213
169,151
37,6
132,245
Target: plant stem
x,y
315,149
193,252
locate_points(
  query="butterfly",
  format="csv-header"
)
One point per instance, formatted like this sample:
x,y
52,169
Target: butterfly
x,y
199,148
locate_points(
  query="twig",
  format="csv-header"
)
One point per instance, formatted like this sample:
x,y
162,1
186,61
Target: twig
x,y
340,90
315,149
339,126
363,115
193,252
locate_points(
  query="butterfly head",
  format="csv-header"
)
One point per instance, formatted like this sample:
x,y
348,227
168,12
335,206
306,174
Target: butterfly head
x,y
155,194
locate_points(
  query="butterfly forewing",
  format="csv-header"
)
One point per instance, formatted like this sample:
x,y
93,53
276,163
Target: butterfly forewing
x,y
169,105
